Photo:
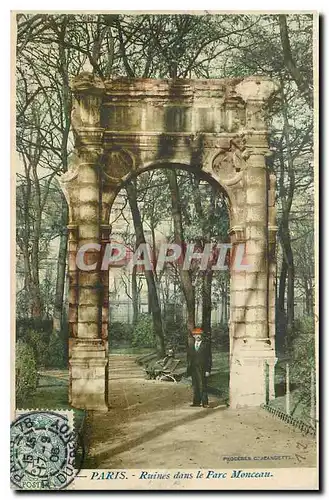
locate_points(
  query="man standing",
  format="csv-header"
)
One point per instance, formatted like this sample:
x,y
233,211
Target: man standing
x,y
199,366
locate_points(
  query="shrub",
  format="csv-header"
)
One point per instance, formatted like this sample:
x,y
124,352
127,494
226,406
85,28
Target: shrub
x,y
119,332
57,352
26,371
143,333
39,343
302,352
220,336
175,331
302,362
23,326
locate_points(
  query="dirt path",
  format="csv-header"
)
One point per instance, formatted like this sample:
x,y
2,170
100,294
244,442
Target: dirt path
x,y
151,425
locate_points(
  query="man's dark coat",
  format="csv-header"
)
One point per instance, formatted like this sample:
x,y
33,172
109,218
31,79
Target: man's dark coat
x,y
199,362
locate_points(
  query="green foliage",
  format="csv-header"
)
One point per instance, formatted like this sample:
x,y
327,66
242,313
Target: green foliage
x,y
220,336
143,333
26,371
176,333
39,342
56,353
119,333
303,348
24,325
302,356
50,351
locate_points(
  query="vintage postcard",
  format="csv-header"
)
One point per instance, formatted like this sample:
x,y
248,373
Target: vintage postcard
x,y
165,325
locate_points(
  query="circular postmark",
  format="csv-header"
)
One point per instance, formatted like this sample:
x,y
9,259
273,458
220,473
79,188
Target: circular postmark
x,y
42,451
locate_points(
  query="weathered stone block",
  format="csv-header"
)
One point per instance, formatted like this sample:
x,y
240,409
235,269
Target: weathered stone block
x,y
88,297
89,394
257,262
88,278
72,263
257,314
89,232
256,329
272,215
88,330
256,213
88,313
89,211
255,247
87,371
73,295
271,198
88,173
238,330
255,194
238,314
244,394
256,280
238,281
73,313
89,193
255,232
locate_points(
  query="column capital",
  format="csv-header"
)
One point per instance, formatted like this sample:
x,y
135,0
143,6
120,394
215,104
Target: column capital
x,y
88,91
256,88
256,142
87,83
255,91
73,231
238,234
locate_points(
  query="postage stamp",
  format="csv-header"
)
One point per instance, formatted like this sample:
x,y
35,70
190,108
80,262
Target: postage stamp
x,y
43,450
166,317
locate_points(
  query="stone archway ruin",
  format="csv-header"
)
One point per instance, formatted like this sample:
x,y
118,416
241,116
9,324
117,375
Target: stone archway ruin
x,y
124,126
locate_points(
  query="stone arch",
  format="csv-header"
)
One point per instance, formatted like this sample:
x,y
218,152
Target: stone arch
x,y
176,165
217,127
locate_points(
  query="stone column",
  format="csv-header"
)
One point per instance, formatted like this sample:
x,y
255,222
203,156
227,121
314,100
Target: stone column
x,y
272,231
253,293
105,239
109,193
88,356
73,292
104,277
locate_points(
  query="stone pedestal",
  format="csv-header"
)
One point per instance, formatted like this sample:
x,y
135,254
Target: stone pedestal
x,y
88,367
248,385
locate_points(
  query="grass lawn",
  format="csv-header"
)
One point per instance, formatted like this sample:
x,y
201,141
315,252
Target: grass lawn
x,y
130,350
218,382
48,397
52,395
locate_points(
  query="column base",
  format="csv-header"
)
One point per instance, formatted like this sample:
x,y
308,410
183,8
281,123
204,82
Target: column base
x,y
248,386
88,366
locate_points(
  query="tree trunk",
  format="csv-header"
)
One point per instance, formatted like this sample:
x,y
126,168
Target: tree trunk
x,y
206,301
286,196
225,311
308,297
282,288
152,289
134,295
185,275
36,301
61,268
290,64
287,276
